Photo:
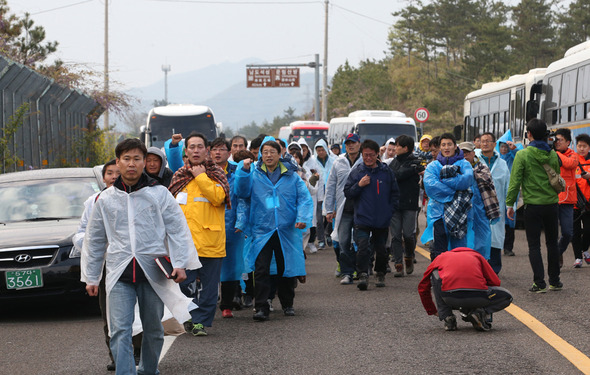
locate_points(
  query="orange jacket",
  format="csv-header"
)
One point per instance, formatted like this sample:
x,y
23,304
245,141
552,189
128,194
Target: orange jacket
x,y
583,184
569,163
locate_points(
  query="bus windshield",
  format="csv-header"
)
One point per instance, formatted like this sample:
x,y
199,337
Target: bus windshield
x,y
163,127
380,133
311,135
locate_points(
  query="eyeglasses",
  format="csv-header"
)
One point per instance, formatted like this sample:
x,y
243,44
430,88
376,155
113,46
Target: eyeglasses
x,y
270,152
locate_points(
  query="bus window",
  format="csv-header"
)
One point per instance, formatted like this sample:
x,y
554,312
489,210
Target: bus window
x,y
552,93
568,85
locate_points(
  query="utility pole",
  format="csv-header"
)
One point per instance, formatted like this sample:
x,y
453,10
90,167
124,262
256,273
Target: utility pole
x,y
325,80
106,60
166,68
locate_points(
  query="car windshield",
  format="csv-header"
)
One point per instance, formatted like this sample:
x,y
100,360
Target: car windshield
x,y
380,133
45,199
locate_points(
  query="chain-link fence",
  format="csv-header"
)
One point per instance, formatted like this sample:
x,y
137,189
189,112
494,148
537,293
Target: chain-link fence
x,y
53,129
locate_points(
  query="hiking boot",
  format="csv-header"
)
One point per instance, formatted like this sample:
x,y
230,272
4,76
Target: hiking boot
x,y
578,263
586,256
399,270
355,275
227,313
346,280
188,326
509,253
248,301
409,265
289,311
321,245
380,280
270,308
198,330
260,316
363,281
237,303
329,241
111,366
478,319
450,323
556,287
536,289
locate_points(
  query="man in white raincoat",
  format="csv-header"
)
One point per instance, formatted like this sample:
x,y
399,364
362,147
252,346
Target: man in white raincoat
x,y
133,222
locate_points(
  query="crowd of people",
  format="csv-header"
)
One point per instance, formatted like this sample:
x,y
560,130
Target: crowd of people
x,y
240,218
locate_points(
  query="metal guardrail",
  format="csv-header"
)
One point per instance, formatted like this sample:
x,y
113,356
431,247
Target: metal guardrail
x,y
54,126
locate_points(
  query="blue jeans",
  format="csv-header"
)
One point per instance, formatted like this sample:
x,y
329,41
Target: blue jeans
x,y
121,311
205,291
347,253
369,239
566,222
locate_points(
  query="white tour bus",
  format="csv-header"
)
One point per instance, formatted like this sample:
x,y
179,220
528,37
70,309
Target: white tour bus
x,y
163,122
559,95
376,125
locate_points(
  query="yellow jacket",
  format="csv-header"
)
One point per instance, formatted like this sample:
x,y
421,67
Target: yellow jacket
x,y
204,210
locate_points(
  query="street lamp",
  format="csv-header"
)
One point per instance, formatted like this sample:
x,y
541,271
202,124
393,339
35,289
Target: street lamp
x,y
166,68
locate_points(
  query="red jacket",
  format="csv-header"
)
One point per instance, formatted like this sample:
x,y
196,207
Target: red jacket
x,y
569,163
460,268
583,166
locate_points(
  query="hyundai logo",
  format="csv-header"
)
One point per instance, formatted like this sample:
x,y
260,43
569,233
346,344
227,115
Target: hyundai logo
x,y
22,258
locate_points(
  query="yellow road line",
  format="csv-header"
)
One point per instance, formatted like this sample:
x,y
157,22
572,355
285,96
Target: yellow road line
x,y
576,357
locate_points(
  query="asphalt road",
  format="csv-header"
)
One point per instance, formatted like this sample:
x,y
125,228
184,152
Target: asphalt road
x,y
337,330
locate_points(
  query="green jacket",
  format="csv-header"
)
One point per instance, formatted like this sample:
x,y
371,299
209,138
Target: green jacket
x,y
528,173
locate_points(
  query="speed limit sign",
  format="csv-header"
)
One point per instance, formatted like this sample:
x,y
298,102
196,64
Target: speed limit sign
x,y
421,115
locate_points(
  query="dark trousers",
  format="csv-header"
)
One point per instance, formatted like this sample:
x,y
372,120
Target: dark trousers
x,y
566,223
509,238
441,240
228,292
537,218
371,240
492,300
495,260
206,292
581,238
262,279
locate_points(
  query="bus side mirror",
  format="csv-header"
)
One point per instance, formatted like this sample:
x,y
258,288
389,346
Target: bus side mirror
x,y
457,130
419,132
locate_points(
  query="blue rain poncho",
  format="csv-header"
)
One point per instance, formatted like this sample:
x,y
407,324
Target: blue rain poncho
x,y
509,159
479,235
275,207
441,191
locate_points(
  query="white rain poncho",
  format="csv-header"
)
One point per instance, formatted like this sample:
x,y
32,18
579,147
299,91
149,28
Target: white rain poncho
x,y
144,224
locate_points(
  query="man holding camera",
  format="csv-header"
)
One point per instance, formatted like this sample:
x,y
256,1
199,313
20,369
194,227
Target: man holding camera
x,y
407,169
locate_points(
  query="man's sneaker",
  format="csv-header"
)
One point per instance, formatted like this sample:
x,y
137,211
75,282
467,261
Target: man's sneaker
x,y
237,303
355,275
380,280
248,301
111,366
270,308
586,256
509,253
450,323
260,316
188,326
227,313
338,273
329,241
478,319
535,289
399,270
363,281
198,330
346,280
578,263
312,248
556,287
409,261
321,245
289,311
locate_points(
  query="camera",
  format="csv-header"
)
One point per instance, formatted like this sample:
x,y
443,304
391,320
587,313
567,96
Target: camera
x,y
550,139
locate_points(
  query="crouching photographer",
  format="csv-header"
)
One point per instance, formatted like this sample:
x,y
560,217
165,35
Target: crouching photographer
x,y
407,169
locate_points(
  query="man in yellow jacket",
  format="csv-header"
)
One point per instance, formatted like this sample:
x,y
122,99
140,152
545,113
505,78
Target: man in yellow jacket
x,y
201,189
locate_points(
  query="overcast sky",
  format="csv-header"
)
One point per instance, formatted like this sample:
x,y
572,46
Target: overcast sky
x,y
192,34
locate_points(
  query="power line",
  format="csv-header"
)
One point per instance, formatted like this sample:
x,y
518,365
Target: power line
x,y
361,15
62,7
